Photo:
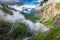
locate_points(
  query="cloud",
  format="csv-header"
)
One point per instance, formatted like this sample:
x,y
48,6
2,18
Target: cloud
x,y
24,8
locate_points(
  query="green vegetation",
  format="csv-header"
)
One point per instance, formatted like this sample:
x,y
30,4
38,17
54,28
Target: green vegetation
x,y
54,34
7,11
5,25
32,17
46,23
20,31
58,4
0,8
49,22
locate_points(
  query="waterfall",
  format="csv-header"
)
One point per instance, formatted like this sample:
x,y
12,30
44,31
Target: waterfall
x,y
34,27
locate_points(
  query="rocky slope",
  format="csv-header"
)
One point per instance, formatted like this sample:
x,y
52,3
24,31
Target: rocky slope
x,y
50,12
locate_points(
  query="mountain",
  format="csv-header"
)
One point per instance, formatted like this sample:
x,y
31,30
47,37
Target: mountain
x,y
33,22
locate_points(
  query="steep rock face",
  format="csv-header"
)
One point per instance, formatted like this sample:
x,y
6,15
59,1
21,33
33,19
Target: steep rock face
x,y
49,11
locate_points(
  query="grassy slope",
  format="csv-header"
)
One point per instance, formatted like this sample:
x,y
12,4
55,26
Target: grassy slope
x,y
7,11
54,34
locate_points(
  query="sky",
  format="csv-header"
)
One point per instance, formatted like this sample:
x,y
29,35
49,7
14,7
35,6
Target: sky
x,y
24,1
34,2
20,0
30,1
10,0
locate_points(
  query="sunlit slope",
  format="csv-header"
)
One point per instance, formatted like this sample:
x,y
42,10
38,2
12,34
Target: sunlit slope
x,y
50,13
